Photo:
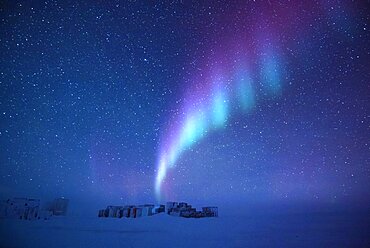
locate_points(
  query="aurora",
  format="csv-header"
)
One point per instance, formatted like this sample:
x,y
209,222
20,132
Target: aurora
x,y
225,94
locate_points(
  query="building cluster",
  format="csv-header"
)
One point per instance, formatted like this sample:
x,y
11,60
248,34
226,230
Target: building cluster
x,y
181,209
131,211
30,209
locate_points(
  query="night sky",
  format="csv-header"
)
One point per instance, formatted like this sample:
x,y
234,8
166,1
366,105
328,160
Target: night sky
x,y
227,101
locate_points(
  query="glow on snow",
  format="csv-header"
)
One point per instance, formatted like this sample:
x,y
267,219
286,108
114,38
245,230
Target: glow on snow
x,y
225,95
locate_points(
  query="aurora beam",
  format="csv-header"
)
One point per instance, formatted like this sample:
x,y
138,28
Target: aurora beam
x,y
225,94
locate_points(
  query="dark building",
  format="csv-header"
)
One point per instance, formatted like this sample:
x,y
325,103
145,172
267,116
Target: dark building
x,y
183,209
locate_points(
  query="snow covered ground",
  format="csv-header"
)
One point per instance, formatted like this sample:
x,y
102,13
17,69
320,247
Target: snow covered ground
x,y
272,230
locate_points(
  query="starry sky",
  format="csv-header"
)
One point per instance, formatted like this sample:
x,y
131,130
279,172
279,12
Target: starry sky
x,y
202,101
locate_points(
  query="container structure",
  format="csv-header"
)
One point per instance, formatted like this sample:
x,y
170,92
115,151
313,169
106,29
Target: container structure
x,y
184,209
